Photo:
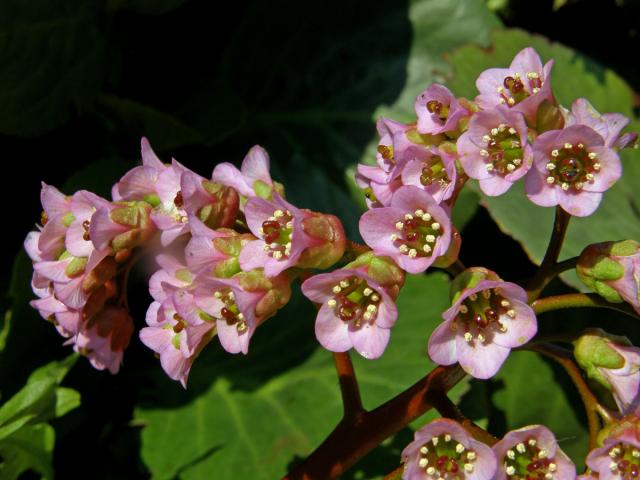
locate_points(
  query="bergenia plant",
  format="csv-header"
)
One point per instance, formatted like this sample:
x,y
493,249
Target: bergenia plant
x,y
229,252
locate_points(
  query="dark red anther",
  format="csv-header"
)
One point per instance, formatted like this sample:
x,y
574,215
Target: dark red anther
x,y
86,236
271,237
178,327
481,322
228,315
517,86
497,156
427,176
453,468
623,464
270,225
508,82
412,237
434,106
44,218
440,462
491,314
492,144
178,200
385,151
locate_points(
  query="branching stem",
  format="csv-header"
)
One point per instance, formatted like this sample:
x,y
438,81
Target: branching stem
x,y
349,389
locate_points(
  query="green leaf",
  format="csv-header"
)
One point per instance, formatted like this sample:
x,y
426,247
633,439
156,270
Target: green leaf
x,y
574,76
51,54
28,449
38,399
530,391
66,400
233,424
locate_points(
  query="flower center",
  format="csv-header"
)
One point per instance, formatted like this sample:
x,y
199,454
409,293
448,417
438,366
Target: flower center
x,y
386,152
514,88
625,461
479,315
276,232
504,150
443,457
528,462
230,312
416,234
354,301
572,166
438,111
434,171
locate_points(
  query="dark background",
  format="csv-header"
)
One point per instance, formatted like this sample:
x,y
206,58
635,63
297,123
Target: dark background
x,y
205,84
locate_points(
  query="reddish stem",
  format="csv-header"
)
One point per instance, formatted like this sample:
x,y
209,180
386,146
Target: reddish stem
x,y
547,270
354,437
579,300
348,385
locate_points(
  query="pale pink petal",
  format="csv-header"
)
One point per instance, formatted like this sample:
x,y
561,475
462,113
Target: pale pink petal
x,y
480,360
331,332
442,345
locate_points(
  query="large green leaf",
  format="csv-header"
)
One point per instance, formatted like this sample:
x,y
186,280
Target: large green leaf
x,y
250,417
574,76
28,449
51,54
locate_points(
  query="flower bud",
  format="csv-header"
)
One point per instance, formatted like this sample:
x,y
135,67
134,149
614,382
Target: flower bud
x,y
276,291
549,117
611,269
613,362
122,225
327,238
382,270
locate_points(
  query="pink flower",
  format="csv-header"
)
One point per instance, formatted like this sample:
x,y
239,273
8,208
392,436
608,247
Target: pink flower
x,y
608,125
175,334
171,277
522,87
253,179
159,185
443,449
214,204
613,362
214,251
435,172
355,312
105,337
495,149
281,237
625,381
571,168
438,110
240,304
78,239
619,456
482,326
394,149
414,230
532,452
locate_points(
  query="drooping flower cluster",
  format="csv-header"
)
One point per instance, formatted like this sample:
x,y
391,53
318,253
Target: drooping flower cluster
x,y
220,279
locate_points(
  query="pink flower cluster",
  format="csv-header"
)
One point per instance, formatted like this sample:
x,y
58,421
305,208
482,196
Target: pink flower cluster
x,y
513,129
234,242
